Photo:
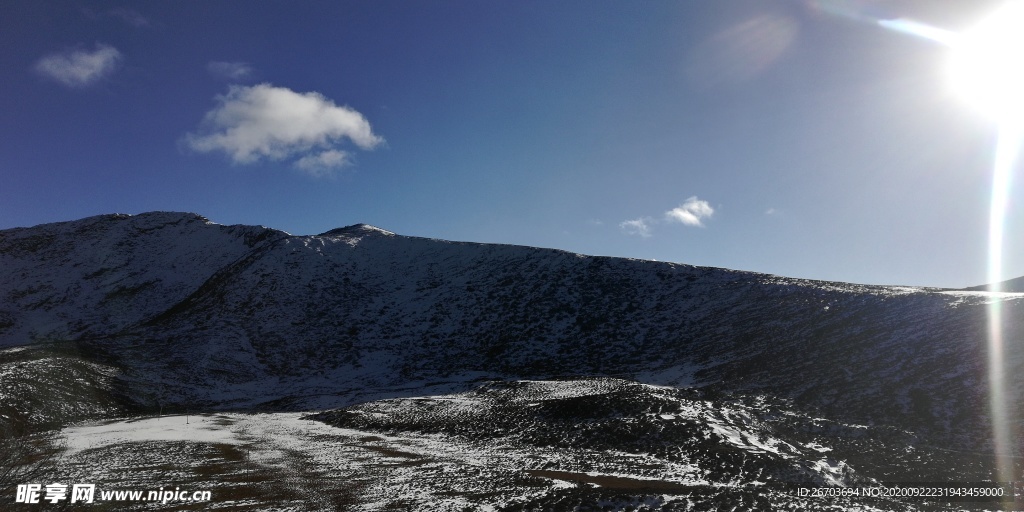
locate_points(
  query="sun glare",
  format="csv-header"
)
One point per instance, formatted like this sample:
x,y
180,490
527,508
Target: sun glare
x,y
987,66
988,70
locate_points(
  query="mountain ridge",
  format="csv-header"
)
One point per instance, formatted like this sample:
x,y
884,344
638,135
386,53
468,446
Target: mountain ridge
x,y
745,374
235,296
1015,285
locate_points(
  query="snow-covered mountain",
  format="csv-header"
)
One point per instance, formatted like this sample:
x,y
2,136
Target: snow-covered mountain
x,y
1010,285
171,310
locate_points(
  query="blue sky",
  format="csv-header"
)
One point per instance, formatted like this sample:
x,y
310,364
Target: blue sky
x,y
778,136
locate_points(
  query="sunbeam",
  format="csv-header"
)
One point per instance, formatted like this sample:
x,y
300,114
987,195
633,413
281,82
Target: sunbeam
x,y
922,30
985,70
1007,149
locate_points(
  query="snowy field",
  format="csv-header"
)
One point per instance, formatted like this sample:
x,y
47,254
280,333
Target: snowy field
x,y
476,450
283,462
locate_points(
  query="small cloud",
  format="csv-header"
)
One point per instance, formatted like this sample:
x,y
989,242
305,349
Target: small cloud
x,y
771,211
229,70
323,163
641,227
79,68
595,222
260,122
691,212
129,16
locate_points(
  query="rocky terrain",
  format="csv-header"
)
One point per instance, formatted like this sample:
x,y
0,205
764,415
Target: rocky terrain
x,y
535,379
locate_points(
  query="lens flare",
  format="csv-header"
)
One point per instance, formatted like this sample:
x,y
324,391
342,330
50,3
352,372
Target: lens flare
x,y
741,52
1000,406
986,66
922,30
986,69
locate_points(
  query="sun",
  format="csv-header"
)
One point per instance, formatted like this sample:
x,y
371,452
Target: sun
x,y
987,65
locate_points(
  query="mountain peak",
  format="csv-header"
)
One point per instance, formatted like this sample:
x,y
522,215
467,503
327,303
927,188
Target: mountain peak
x,y
1015,285
357,230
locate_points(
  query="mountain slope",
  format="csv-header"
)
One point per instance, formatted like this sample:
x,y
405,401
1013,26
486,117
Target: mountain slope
x,y
178,312
1010,285
224,308
98,275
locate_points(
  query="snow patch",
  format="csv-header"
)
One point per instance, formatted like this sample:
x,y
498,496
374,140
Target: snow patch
x,y
201,429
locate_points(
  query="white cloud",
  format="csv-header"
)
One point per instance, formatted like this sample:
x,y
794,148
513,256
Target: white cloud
x,y
323,163
641,226
129,16
229,70
691,212
771,211
251,123
79,68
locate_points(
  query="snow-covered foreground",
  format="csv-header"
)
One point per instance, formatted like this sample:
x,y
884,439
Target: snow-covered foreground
x,y
206,429
590,444
283,462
